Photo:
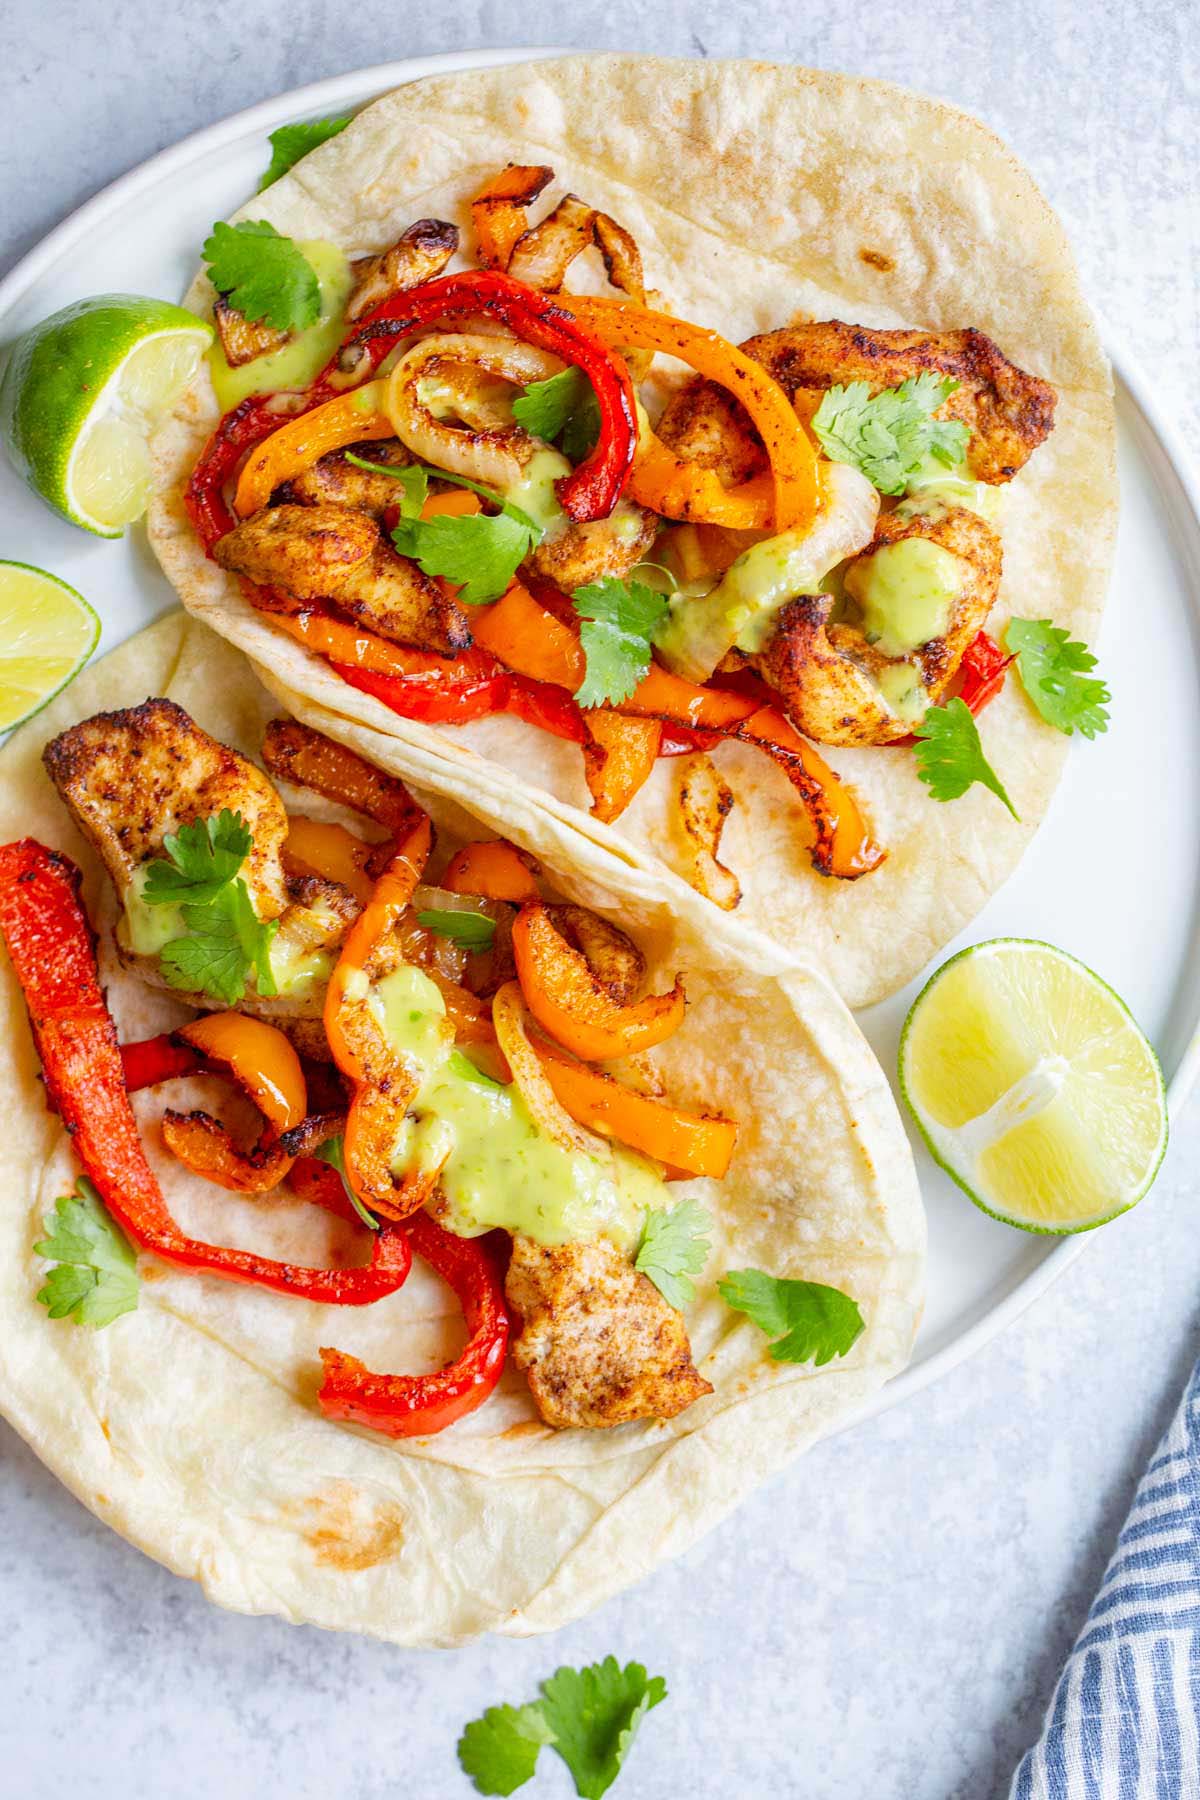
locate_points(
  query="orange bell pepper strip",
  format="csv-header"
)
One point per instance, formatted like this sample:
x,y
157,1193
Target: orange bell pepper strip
x,y
688,1143
573,1007
314,847
391,896
792,496
52,950
843,845
261,1061
351,418
307,758
617,758
529,639
495,870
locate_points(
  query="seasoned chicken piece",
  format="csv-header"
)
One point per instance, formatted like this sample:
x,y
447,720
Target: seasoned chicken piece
x,y
334,553
586,553
242,339
1008,412
336,482
598,1342
418,255
840,689
128,778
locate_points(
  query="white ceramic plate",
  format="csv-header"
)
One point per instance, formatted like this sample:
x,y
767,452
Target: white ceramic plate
x,y
1114,874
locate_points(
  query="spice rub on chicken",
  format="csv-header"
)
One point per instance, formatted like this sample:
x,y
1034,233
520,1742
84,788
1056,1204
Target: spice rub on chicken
x,y
132,777
328,552
1008,412
598,1343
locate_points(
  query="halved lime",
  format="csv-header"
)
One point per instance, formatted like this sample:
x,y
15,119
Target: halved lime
x,y
1034,1087
82,393
47,633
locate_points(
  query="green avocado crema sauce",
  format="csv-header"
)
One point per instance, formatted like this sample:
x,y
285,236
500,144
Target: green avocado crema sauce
x,y
902,688
741,609
905,593
534,491
935,488
497,1168
296,363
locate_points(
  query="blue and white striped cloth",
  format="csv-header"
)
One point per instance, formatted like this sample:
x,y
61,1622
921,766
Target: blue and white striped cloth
x,y
1124,1723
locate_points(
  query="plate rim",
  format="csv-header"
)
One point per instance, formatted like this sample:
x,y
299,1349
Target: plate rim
x,y
357,87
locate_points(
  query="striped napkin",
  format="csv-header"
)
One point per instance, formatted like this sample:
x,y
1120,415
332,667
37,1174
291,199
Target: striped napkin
x,y
1125,1718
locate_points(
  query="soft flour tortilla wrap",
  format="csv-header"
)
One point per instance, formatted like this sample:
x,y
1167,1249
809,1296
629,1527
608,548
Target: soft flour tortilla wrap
x,y
190,1425
758,195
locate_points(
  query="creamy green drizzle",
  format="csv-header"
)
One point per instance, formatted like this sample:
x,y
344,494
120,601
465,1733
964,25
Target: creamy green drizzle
x,y
906,593
295,364
496,1167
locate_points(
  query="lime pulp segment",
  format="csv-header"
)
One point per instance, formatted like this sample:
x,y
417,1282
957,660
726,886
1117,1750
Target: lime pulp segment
x,y
47,633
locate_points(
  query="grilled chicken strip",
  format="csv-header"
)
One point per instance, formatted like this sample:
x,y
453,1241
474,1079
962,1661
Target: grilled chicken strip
x,y
585,553
128,778
1008,412
828,675
243,339
334,553
336,482
598,1343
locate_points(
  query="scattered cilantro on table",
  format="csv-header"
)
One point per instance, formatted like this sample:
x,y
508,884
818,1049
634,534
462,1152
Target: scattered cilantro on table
x,y
264,276
589,1716
950,755
1055,671
95,1279
809,1321
619,619
291,142
673,1247
888,437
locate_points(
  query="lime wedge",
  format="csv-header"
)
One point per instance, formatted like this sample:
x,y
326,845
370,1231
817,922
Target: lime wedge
x,y
82,393
1034,1087
47,633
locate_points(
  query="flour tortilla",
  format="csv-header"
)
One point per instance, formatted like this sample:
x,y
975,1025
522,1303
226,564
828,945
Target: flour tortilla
x,y
191,1427
758,195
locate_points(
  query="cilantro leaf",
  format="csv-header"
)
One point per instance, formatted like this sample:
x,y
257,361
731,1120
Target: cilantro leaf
x,y
950,755
500,1751
618,621
413,479
263,276
332,1152
564,406
226,941
594,1714
888,438
810,1322
673,1247
479,554
1055,673
203,858
291,142
96,1278
472,930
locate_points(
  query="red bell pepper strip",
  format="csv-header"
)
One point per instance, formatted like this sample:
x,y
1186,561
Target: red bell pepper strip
x,y
240,430
156,1059
984,667
419,1405
52,951
592,490
445,700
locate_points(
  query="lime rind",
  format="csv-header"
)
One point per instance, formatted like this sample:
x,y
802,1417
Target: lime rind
x,y
84,611
936,1139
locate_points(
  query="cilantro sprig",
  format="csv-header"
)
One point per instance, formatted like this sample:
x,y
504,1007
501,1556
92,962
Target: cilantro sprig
x,y
95,1279
619,620
226,940
1055,671
887,438
332,1152
291,142
479,553
264,276
808,1321
950,755
589,1716
673,1247
562,408
470,930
